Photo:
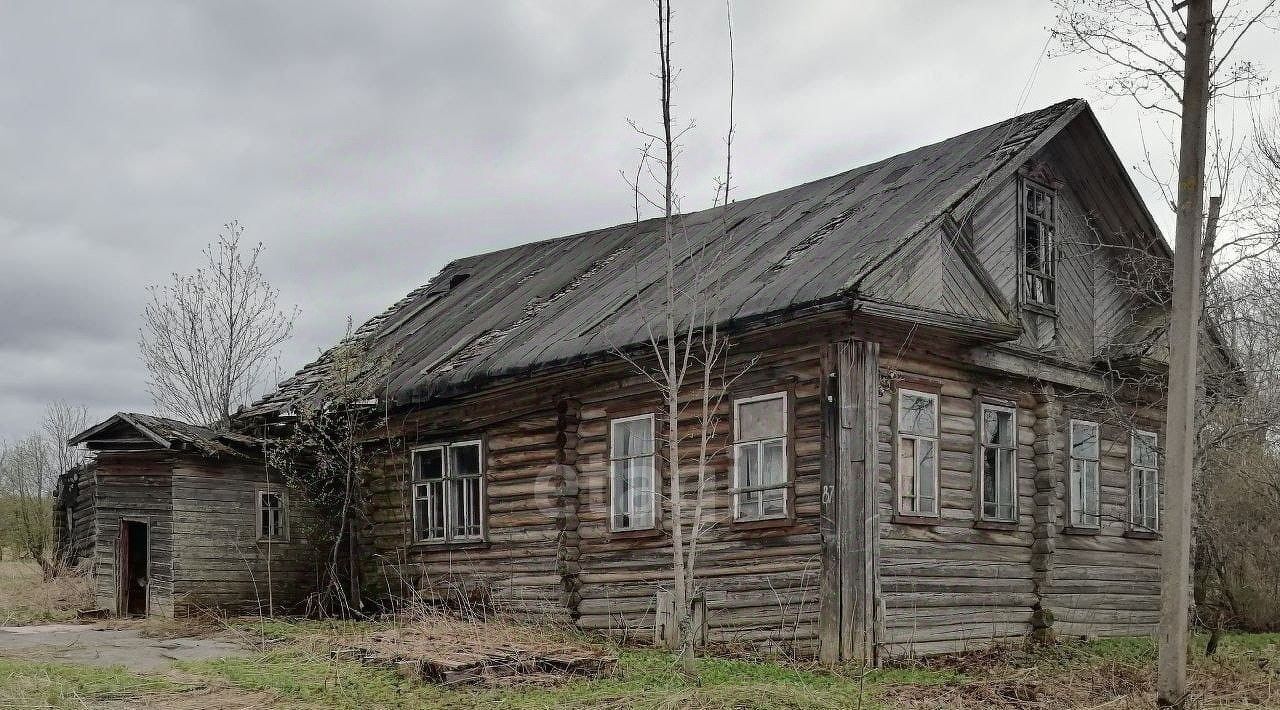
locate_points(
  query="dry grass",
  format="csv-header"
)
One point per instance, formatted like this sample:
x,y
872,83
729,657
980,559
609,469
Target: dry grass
x,y
26,598
1117,674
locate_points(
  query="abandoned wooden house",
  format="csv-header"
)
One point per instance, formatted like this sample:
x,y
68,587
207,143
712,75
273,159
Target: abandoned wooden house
x,y
176,518
926,446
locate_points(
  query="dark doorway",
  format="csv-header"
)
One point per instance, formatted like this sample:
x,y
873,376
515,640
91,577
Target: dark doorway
x,y
133,568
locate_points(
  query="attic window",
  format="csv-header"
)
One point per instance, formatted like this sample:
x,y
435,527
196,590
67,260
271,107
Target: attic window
x,y
1039,244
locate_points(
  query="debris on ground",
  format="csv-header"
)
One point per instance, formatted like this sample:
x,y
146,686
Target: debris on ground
x,y
449,653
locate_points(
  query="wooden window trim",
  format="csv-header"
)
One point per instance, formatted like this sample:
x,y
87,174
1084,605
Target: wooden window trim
x,y
985,404
1083,528
1084,532
655,516
787,395
284,515
449,540
933,391
922,520
1137,529
1050,276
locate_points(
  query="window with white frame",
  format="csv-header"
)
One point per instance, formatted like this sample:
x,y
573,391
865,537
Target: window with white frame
x,y
1085,455
917,453
760,457
271,516
1144,490
448,492
1039,248
631,473
999,480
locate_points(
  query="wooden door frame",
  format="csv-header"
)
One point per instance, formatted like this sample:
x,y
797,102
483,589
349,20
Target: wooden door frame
x,y
850,586
123,571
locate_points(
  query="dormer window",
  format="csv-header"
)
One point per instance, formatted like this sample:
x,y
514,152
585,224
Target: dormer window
x,y
1039,245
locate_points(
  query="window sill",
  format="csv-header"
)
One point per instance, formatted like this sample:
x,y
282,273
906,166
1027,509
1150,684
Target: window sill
x,y
273,541
1006,525
639,534
423,545
928,520
1142,534
1072,530
762,523
1040,308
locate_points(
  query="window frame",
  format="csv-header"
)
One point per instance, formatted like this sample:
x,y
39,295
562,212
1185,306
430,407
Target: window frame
x,y
1072,499
1138,523
1047,275
935,396
980,468
654,472
447,482
259,508
736,489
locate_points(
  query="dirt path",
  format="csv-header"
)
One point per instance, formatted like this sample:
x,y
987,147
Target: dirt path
x,y
86,643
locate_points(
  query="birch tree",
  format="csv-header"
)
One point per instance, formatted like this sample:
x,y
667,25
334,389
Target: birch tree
x,y
207,337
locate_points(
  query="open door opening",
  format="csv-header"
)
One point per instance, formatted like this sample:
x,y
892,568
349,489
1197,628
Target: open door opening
x,y
133,568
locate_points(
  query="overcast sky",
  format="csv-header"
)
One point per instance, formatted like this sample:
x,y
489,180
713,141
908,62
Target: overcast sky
x,y
367,144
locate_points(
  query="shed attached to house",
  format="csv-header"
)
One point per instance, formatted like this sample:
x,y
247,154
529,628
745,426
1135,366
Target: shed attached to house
x,y
185,518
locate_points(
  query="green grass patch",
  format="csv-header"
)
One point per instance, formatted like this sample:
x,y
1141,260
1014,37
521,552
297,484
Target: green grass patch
x,y
644,679
43,684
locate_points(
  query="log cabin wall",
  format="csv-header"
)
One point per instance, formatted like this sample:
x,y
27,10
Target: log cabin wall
x,y
1106,582
948,583
219,558
527,445
761,579
74,523
549,550
136,487
958,582
944,585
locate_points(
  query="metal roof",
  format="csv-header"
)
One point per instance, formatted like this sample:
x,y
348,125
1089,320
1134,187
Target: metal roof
x,y
824,242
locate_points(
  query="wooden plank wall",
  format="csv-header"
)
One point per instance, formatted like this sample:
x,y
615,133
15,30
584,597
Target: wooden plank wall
x,y
1071,334
134,486
218,560
995,238
955,585
1106,584
950,586
549,550
526,436
762,584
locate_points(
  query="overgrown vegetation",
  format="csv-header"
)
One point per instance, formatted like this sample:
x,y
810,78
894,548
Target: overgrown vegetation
x,y
296,671
26,598
291,665
325,459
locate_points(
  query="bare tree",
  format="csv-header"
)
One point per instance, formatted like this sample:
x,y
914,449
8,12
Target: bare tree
x,y
62,421
1139,50
685,348
208,336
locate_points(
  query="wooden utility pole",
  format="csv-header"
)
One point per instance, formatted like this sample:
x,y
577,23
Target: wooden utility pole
x,y
1175,567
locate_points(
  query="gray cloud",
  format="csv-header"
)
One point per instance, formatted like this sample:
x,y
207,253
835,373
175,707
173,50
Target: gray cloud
x,y
367,144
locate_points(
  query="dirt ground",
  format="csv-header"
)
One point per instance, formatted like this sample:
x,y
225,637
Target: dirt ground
x,y
99,646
